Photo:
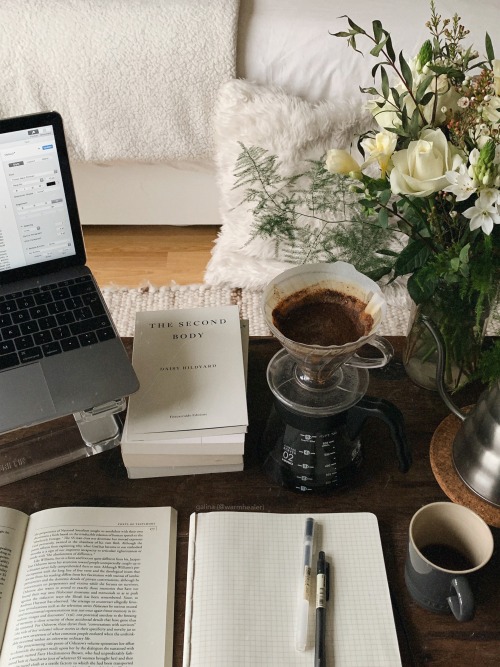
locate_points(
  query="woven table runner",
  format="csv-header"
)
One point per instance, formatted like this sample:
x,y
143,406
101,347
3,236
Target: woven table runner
x,y
124,303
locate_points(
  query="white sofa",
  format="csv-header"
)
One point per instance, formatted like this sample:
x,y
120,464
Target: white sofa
x,y
88,43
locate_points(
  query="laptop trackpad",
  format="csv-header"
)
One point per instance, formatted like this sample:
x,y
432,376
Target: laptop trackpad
x,y
25,396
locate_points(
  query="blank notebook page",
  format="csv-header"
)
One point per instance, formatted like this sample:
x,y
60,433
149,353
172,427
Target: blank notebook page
x,y
244,574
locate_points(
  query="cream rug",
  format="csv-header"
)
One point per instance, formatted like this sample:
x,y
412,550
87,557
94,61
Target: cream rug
x,y
124,303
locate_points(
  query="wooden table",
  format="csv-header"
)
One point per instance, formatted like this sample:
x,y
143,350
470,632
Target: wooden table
x,y
424,638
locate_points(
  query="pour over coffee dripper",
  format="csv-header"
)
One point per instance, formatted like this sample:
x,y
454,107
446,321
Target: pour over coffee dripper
x,y
312,436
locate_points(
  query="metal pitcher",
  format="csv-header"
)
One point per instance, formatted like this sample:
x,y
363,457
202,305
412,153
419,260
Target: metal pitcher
x,y
476,448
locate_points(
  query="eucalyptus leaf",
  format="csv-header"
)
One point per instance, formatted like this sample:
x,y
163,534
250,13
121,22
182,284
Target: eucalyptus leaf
x,y
355,27
426,98
383,218
389,48
414,126
406,71
423,88
377,30
378,48
384,196
489,48
385,83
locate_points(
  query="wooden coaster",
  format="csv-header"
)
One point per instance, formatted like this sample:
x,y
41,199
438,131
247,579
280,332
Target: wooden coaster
x,y
448,478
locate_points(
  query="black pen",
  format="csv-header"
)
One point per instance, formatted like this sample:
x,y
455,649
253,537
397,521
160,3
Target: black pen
x,y
322,595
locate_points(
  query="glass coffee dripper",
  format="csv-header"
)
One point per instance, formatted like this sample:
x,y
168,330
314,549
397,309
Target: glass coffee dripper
x,y
312,437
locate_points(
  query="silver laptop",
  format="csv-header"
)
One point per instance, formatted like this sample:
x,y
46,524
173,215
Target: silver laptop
x,y
59,350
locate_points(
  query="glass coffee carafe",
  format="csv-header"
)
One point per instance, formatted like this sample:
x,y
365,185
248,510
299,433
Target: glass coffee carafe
x,y
312,439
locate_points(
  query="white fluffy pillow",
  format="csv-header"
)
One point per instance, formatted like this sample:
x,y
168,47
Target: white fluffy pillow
x,y
290,128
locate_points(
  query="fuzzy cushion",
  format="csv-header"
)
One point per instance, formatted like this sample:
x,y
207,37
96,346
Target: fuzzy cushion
x,y
290,128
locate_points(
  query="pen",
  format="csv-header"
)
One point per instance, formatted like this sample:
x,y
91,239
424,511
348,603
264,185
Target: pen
x,y
305,586
322,595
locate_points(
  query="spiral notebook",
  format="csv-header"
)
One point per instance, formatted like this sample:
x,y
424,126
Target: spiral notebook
x,y
244,570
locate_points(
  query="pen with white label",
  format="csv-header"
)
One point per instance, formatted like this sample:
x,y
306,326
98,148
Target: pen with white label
x,y
322,595
305,587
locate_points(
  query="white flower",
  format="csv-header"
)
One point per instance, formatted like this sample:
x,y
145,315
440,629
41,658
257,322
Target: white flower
x,y
496,75
463,102
485,212
380,148
473,158
461,184
386,114
341,162
491,111
420,169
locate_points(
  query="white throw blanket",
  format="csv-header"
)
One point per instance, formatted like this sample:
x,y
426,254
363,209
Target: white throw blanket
x,y
133,79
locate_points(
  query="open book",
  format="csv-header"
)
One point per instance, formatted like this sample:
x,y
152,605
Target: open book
x,y
244,574
87,586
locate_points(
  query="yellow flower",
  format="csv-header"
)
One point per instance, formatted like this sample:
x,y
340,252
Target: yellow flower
x,y
380,148
341,162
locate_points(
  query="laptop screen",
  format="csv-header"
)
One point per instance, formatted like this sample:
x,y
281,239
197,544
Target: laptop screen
x,y
38,215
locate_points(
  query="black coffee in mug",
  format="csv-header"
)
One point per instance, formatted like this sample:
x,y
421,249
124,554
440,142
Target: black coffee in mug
x,y
446,557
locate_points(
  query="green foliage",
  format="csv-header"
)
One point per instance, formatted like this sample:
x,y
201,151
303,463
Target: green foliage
x,y
311,216
488,370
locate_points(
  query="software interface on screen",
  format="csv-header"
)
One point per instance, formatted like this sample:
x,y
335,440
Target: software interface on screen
x,y
34,219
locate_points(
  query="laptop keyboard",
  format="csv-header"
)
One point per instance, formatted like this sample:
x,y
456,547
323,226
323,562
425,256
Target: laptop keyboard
x,y
48,320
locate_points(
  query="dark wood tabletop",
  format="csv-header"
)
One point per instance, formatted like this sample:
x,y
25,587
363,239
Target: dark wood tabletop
x,y
424,638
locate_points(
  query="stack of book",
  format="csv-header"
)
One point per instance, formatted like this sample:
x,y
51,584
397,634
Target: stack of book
x,y
190,413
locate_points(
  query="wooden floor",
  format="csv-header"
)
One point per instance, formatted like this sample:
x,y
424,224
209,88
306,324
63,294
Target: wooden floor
x,y
133,256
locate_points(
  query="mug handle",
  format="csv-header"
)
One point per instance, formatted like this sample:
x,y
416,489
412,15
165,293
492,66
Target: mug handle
x,y
383,345
461,600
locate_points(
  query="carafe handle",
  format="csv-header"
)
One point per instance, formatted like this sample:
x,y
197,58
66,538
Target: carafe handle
x,y
388,413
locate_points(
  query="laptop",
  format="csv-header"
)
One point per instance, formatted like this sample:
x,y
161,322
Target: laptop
x,y
60,352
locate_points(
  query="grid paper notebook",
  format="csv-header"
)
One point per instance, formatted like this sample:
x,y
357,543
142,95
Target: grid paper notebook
x,y
244,573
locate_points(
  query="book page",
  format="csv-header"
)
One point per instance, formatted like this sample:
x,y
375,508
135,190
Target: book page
x,y
95,587
244,574
13,526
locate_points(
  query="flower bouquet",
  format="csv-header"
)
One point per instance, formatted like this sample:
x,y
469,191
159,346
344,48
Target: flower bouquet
x,y
421,204
431,172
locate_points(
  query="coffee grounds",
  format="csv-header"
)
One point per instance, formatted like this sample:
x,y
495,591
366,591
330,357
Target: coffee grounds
x,y
322,317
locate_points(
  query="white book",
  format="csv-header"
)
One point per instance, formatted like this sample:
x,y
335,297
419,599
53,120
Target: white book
x,y
166,460
87,586
191,446
244,576
191,372
139,472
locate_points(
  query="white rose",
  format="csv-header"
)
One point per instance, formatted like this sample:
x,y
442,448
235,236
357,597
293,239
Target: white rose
x,y
341,162
420,169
